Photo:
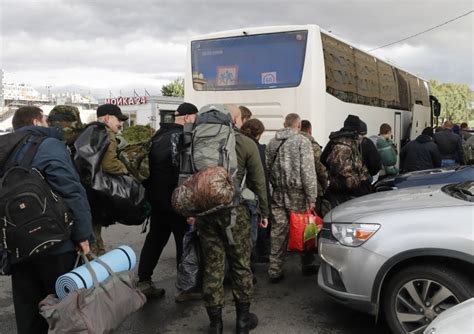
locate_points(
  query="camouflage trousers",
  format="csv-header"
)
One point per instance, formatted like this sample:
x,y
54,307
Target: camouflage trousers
x,y
216,249
279,241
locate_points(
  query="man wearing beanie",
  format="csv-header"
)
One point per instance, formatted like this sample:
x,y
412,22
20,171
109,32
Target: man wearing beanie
x,y
164,174
109,116
421,153
348,175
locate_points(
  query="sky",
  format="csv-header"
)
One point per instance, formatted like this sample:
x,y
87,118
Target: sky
x,y
121,45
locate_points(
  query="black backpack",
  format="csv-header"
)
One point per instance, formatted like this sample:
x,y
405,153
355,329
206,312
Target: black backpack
x,y
32,217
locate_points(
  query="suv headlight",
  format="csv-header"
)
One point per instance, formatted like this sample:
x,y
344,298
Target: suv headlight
x,y
354,234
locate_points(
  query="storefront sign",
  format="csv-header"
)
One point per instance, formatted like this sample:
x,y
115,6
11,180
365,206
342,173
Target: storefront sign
x,y
126,101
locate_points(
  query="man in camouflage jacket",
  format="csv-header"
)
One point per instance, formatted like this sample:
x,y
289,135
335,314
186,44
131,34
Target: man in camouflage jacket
x,y
290,163
348,175
321,172
217,248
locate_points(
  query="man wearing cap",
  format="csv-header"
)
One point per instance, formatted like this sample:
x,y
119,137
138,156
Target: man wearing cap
x,y
111,116
164,174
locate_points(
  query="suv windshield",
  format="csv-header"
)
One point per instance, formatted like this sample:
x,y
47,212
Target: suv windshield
x,y
464,191
249,62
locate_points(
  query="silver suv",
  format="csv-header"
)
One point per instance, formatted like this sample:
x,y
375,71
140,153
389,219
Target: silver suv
x,y
408,253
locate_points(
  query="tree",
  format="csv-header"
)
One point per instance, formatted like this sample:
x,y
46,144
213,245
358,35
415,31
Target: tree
x,y
138,134
175,88
456,101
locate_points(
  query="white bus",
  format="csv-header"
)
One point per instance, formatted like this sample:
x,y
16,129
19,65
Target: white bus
x,y
300,68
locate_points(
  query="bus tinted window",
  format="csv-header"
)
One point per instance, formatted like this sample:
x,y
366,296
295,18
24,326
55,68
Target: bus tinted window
x,y
249,62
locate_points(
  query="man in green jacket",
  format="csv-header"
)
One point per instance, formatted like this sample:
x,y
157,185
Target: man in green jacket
x,y
217,248
112,117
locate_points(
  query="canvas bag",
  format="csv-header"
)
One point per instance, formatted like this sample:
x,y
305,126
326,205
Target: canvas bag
x,y
135,158
98,310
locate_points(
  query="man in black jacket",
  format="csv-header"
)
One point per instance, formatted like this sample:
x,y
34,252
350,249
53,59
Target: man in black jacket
x,y
370,154
34,278
164,173
449,145
421,153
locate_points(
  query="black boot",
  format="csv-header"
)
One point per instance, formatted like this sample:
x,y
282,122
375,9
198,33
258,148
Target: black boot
x,y
215,316
245,321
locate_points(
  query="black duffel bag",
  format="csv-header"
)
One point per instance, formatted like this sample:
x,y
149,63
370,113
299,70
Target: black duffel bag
x,y
112,198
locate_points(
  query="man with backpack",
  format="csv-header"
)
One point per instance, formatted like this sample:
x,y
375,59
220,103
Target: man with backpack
x,y
290,164
348,175
224,231
34,277
164,174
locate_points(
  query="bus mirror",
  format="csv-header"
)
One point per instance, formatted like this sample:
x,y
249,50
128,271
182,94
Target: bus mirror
x,y
436,108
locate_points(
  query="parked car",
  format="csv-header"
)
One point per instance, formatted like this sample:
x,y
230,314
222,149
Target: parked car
x,y
407,253
458,319
443,175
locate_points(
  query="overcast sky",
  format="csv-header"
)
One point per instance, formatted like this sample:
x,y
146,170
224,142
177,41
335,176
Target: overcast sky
x,y
121,44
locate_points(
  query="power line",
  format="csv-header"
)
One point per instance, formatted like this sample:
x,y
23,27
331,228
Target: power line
x,y
439,25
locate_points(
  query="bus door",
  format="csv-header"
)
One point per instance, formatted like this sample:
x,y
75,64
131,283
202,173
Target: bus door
x,y
421,118
397,131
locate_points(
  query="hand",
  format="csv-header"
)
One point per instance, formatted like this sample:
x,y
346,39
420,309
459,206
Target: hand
x,y
83,247
312,206
264,223
191,220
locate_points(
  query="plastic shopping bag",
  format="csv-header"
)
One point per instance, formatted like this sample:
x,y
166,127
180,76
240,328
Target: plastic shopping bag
x,y
190,270
304,228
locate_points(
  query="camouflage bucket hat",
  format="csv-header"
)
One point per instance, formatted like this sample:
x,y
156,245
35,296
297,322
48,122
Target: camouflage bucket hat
x,y
63,113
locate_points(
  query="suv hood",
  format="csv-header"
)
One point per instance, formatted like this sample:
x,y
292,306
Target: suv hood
x,y
401,199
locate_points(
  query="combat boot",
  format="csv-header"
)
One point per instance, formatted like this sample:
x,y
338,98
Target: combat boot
x,y
245,321
215,316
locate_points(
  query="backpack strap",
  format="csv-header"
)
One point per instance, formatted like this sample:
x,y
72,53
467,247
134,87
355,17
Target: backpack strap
x,y
276,154
35,142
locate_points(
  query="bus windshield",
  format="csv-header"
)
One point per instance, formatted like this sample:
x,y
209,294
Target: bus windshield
x,y
249,62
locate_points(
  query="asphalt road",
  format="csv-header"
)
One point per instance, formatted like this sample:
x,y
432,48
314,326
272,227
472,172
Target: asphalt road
x,y
295,305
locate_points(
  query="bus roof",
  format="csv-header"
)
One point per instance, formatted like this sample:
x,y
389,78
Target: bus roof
x,y
272,29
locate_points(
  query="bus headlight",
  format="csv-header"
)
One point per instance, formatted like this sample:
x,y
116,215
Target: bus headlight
x,y
353,234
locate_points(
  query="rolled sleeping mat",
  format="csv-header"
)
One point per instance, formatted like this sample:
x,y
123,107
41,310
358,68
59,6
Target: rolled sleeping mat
x,y
119,259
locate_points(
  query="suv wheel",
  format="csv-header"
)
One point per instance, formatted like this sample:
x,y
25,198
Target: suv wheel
x,y
418,294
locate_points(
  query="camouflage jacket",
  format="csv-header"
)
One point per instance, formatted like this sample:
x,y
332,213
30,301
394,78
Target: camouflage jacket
x,y
110,162
291,169
321,171
344,161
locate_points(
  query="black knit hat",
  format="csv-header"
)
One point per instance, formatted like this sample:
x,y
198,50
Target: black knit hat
x,y
352,123
362,127
186,109
428,131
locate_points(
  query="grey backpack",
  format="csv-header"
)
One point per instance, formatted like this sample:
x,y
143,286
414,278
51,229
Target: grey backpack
x,y
213,140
